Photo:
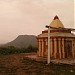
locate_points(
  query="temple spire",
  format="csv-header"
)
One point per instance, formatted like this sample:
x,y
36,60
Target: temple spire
x,y
56,17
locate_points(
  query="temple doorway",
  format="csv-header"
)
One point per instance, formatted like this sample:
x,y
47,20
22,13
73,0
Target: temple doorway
x,y
68,49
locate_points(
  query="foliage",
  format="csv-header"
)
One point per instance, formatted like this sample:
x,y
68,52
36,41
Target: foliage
x,y
14,50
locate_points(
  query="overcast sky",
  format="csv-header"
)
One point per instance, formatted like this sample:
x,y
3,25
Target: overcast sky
x,y
21,17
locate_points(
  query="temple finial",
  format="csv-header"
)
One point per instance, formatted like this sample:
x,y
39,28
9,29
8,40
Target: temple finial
x,y
56,17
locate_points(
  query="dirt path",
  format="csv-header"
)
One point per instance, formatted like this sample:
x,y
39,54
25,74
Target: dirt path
x,y
19,64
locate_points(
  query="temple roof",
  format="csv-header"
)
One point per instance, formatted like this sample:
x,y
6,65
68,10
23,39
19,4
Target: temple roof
x,y
56,22
63,32
57,35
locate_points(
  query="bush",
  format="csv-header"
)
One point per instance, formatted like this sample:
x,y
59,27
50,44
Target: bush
x,y
14,50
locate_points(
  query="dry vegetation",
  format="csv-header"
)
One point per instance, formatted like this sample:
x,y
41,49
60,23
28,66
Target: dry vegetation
x,y
18,64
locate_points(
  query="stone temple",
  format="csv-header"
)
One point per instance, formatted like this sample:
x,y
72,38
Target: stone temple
x,y
62,42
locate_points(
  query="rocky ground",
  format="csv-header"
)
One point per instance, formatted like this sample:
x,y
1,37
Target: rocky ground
x,y
18,64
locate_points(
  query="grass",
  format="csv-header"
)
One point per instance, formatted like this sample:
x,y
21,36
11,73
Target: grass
x,y
19,65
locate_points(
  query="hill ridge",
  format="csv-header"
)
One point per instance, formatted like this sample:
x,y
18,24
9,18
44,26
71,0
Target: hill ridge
x,y
23,41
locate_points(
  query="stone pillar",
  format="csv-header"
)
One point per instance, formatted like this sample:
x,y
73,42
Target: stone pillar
x,y
73,48
51,47
55,47
43,47
39,43
63,48
46,48
59,43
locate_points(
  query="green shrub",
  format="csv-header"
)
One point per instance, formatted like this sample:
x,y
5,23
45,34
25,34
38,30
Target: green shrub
x,y
14,50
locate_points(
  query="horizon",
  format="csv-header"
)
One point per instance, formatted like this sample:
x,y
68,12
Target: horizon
x,y
18,17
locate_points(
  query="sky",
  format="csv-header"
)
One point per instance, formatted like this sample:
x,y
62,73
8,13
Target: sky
x,y
29,17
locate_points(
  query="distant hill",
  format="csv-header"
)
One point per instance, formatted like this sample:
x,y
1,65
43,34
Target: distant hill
x,y
23,41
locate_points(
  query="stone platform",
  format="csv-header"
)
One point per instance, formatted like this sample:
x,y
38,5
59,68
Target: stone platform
x,y
34,56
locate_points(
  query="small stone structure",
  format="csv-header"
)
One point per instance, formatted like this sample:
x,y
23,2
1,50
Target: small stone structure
x,y
62,42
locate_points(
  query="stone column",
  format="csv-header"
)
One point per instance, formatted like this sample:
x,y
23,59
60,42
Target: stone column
x,y
43,47
46,48
73,48
55,47
51,47
39,47
63,48
59,43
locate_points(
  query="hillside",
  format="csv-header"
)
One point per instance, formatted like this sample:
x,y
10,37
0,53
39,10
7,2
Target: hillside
x,y
23,41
